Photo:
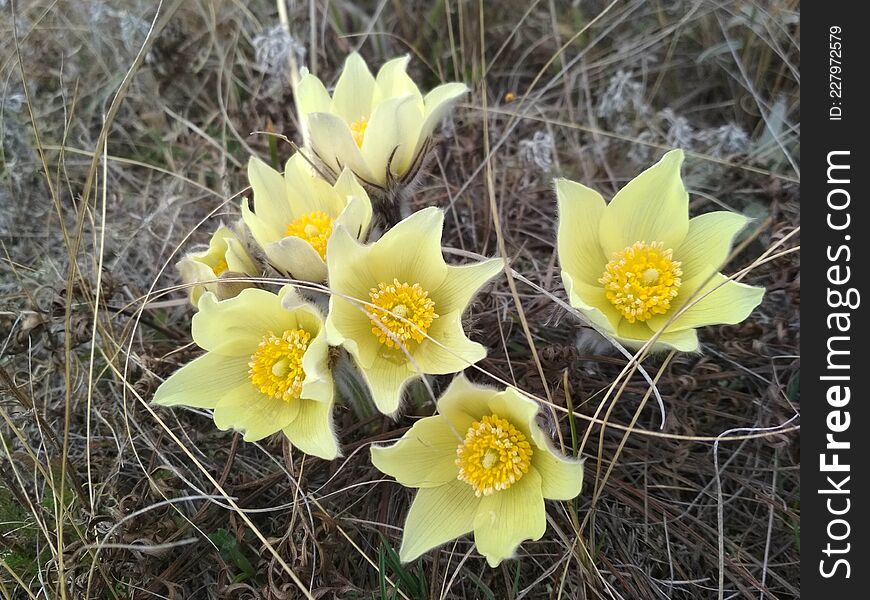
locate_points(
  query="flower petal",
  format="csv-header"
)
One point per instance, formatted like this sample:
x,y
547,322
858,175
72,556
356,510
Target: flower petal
x,y
393,81
347,324
356,215
634,335
318,384
438,515
424,457
390,257
561,476
311,96
386,380
297,257
203,381
247,409
592,302
238,259
307,191
391,136
708,242
721,302
463,282
517,408
352,98
194,272
264,233
579,246
312,430
508,517
348,265
446,349
652,207
236,326
464,402
437,102
334,145
270,194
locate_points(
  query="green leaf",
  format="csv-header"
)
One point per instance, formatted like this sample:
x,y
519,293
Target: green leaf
x,y
230,551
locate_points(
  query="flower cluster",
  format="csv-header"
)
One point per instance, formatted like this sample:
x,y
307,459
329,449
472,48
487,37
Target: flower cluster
x,y
637,268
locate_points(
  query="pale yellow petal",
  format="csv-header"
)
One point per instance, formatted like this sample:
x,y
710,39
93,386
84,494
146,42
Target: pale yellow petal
x,y
652,207
195,271
350,280
238,259
437,515
244,408
447,349
356,216
349,326
464,402
311,96
634,335
270,193
708,242
721,302
334,145
437,104
386,380
348,265
424,457
298,258
393,81
312,430
318,384
237,325
463,282
264,233
561,476
592,302
579,246
411,252
390,137
509,517
306,191
352,98
517,408
202,382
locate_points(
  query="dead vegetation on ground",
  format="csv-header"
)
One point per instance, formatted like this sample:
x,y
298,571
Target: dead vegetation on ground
x,y
124,132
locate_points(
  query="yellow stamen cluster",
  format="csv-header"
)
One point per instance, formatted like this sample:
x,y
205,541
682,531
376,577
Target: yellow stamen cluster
x,y
358,130
276,365
315,228
642,280
405,311
221,267
493,456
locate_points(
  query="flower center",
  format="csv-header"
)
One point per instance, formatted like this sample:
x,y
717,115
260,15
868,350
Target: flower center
x,y
221,267
403,312
315,228
276,364
641,280
493,456
358,129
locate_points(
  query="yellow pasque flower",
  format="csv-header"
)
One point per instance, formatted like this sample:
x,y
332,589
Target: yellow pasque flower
x,y
397,307
379,127
266,369
481,464
225,254
630,265
295,214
